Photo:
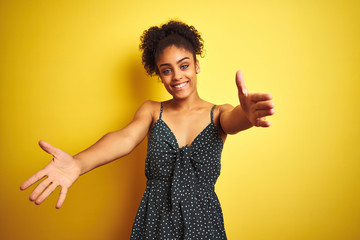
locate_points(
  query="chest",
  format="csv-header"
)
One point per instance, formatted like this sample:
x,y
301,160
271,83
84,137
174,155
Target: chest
x,y
186,127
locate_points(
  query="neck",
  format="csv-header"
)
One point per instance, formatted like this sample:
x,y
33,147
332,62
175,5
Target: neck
x,y
188,103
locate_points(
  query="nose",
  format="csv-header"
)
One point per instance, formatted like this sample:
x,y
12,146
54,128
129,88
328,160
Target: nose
x,y
177,75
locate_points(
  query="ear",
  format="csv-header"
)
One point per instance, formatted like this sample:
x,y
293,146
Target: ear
x,y
197,66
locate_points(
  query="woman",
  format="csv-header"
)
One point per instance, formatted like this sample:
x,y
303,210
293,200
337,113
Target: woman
x,y
185,140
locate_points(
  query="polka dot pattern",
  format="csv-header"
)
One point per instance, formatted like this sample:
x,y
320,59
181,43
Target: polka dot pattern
x,y
179,201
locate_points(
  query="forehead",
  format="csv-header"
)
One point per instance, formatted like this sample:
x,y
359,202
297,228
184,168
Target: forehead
x,y
172,54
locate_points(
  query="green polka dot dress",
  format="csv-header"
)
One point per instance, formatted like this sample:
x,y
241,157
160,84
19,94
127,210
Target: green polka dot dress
x,y
179,201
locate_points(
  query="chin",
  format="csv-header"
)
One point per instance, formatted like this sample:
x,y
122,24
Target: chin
x,y
181,95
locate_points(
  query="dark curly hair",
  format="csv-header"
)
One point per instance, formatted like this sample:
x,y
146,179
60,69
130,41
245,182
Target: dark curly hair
x,y
156,39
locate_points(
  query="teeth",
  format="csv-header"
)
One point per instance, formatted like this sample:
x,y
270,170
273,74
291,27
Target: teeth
x,y
180,85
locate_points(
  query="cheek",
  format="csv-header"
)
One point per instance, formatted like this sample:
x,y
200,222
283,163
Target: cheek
x,y
165,79
192,74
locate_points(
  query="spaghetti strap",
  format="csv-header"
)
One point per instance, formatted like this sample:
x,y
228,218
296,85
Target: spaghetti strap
x,y
161,109
211,114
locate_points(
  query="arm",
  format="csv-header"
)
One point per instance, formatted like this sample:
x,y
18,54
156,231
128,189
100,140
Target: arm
x,y
64,169
253,109
117,144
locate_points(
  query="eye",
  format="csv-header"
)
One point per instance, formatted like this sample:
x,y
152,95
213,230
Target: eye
x,y
184,66
167,71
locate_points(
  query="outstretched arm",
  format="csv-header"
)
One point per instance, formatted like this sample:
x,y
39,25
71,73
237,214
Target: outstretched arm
x,y
117,144
253,109
65,169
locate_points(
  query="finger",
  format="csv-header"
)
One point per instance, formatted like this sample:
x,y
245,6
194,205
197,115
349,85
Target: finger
x,y
264,113
62,197
256,97
39,189
240,83
262,123
47,147
33,179
264,105
45,193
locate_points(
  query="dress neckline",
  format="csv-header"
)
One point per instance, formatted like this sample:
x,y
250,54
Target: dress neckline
x,y
176,140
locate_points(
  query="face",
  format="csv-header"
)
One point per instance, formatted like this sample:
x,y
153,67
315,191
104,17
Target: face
x,y
177,70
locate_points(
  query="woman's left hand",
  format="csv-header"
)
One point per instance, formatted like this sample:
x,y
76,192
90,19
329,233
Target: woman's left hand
x,y
256,106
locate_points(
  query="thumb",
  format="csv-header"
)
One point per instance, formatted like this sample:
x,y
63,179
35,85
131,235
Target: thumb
x,y
47,147
240,83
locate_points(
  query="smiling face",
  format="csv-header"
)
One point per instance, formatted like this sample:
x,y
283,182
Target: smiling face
x,y
177,70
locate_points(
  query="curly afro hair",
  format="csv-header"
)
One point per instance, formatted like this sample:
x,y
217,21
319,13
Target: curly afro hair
x,y
156,39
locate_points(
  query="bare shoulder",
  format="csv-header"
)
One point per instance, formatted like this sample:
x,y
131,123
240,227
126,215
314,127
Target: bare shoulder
x,y
150,109
219,110
224,108
149,106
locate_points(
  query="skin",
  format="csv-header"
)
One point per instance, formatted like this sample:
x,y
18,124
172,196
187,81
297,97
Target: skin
x,y
186,114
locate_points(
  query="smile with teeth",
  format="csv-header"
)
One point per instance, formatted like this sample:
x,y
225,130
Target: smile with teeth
x,y
180,85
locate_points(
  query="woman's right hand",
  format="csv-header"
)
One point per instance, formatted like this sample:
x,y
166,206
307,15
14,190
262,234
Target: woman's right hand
x,y
63,170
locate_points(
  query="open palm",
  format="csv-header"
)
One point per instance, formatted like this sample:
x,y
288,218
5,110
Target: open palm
x,y
62,171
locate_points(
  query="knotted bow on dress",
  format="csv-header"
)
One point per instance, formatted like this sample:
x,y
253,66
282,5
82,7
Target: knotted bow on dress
x,y
184,182
183,176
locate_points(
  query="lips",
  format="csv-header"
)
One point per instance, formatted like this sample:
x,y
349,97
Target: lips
x,y
180,86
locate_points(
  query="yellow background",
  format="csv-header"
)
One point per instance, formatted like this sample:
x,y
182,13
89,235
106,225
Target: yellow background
x,y
71,71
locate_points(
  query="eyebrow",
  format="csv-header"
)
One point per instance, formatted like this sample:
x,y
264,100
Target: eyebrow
x,y
167,64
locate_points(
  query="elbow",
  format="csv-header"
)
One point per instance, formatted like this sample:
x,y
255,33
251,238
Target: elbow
x,y
235,130
124,141
232,132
